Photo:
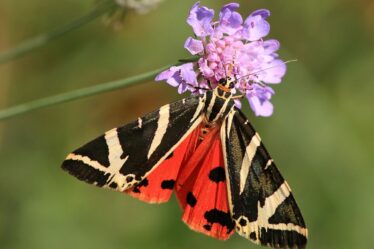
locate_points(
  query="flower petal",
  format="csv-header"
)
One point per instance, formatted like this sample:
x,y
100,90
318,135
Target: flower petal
x,y
205,69
165,75
255,26
200,19
259,100
238,103
194,46
188,74
270,46
179,76
230,21
171,76
273,72
264,13
182,88
264,109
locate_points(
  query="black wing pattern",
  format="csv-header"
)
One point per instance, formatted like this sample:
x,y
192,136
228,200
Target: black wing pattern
x,y
261,203
123,156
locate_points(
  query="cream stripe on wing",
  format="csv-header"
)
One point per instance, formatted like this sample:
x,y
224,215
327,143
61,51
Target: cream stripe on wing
x,y
115,151
229,118
272,203
140,123
221,111
266,212
268,164
210,106
162,125
250,152
198,109
256,227
224,136
114,175
86,160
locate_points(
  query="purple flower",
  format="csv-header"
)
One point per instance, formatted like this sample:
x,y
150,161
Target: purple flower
x,y
230,47
200,19
230,21
183,77
194,46
275,70
255,26
259,100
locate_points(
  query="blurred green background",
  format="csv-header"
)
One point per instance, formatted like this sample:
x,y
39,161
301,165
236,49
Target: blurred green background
x,y
320,134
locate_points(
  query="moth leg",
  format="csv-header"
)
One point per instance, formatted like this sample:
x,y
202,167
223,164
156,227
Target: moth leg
x,y
238,96
199,88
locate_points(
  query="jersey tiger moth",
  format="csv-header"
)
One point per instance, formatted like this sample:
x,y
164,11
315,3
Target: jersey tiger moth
x,y
204,149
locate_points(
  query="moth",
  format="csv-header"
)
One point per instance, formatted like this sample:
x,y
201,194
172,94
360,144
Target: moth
x,y
205,150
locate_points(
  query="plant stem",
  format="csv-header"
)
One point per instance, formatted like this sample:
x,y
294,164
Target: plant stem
x,y
41,40
77,94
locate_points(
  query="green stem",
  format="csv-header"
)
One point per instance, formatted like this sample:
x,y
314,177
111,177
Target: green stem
x,y
191,59
39,41
77,94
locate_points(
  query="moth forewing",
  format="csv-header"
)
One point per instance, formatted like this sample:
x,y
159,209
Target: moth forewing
x,y
124,156
262,204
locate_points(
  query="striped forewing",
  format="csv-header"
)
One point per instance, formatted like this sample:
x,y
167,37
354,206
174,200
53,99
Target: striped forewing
x,y
261,201
123,156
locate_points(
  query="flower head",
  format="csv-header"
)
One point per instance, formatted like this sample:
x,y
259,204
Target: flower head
x,y
116,18
140,6
230,47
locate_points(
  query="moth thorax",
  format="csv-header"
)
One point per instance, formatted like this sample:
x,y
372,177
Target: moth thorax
x,y
226,84
223,94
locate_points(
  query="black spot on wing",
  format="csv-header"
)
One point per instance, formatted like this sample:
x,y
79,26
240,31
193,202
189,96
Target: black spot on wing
x,y
129,179
191,199
113,185
220,217
167,184
207,227
253,236
217,174
85,172
287,212
282,238
143,183
242,222
96,150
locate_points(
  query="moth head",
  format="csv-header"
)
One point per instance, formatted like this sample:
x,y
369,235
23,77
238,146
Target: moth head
x,y
226,84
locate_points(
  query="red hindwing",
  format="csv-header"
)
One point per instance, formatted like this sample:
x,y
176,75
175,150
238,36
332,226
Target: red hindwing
x,y
159,184
202,192
196,171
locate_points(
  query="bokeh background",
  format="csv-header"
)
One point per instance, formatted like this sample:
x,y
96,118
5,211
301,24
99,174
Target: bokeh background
x,y
321,133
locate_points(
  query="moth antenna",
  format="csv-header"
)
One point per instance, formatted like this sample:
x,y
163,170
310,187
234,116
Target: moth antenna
x,y
254,73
